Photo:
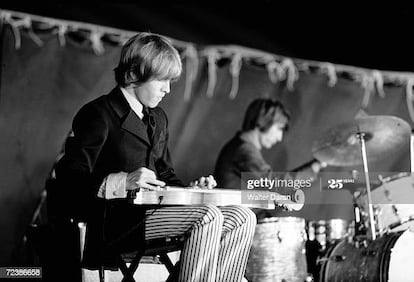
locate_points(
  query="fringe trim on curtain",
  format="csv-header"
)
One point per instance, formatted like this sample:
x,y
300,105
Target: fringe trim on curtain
x,y
212,57
62,29
290,72
372,82
97,45
279,68
192,63
368,85
15,24
235,66
410,98
379,83
329,69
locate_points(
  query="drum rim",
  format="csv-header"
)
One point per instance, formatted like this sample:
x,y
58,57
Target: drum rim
x,y
386,256
294,219
329,220
395,177
326,258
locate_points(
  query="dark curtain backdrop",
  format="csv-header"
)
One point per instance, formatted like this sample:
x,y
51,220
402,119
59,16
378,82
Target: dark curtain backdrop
x,y
43,87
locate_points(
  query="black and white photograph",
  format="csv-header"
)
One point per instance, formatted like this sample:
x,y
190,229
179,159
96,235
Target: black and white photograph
x,y
206,141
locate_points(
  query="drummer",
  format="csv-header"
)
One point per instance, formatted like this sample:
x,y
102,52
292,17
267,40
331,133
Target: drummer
x,y
264,125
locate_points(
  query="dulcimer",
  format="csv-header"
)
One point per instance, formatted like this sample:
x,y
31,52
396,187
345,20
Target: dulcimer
x,y
220,197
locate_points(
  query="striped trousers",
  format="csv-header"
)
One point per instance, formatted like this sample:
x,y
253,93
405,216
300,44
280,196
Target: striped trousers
x,y
218,239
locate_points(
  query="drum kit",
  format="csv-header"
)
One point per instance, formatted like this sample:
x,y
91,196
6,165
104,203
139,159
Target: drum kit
x,y
378,245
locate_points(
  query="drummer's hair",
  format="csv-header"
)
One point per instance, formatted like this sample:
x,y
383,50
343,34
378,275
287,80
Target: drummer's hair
x,y
263,113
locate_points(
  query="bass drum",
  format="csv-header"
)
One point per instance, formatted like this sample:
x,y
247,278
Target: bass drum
x,y
278,251
388,258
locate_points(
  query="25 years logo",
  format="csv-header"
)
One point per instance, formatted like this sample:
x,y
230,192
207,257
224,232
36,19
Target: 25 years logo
x,y
335,183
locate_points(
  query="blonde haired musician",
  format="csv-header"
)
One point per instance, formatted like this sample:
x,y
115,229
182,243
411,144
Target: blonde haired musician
x,y
120,144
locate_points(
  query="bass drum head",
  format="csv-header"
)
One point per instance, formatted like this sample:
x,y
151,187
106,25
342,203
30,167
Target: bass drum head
x,y
401,267
388,258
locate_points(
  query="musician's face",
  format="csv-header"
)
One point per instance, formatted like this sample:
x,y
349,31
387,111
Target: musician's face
x,y
152,92
272,136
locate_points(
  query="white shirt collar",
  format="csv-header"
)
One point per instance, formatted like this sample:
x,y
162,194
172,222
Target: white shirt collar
x,y
133,102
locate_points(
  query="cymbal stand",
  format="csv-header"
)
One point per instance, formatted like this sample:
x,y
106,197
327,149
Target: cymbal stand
x,y
359,227
361,137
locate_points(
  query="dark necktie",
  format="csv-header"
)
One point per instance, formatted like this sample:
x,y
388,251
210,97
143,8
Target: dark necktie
x,y
149,122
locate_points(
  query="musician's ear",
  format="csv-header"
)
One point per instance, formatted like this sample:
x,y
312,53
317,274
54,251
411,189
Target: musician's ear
x,y
130,77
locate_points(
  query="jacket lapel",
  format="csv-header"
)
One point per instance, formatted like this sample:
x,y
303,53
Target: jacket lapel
x,y
157,128
130,121
135,126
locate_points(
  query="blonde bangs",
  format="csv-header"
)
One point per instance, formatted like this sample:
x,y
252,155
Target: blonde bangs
x,y
166,66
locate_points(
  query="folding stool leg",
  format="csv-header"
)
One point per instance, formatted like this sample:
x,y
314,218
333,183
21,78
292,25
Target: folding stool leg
x,y
167,262
102,274
173,277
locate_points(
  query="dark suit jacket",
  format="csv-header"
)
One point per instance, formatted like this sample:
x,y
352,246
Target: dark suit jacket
x,y
236,157
109,138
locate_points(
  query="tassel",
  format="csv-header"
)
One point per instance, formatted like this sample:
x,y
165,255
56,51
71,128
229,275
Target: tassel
x,y
23,22
410,98
212,57
97,45
329,69
192,63
6,16
291,72
61,34
379,83
235,66
31,33
273,70
368,85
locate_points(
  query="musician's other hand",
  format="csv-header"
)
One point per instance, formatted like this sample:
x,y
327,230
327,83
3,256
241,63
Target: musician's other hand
x,y
317,166
143,178
204,183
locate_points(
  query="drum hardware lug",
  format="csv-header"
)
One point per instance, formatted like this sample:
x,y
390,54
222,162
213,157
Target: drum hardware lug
x,y
334,258
395,211
361,243
320,260
369,253
338,258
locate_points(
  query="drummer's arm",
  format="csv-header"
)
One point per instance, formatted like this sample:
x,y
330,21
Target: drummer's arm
x,y
309,171
253,164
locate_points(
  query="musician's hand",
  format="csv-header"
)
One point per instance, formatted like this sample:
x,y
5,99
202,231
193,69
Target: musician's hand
x,y
143,178
204,183
317,166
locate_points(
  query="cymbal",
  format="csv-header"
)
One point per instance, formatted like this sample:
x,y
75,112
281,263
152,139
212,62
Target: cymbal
x,y
341,146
